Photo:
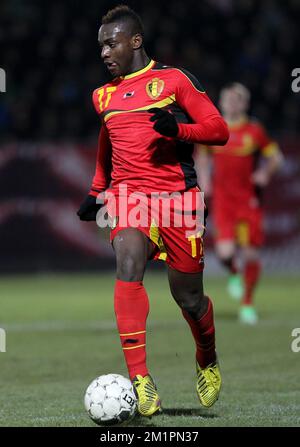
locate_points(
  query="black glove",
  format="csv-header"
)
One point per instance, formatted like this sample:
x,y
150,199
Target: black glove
x,y
88,209
165,122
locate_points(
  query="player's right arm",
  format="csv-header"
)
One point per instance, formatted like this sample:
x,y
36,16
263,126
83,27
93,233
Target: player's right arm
x,y
102,175
89,207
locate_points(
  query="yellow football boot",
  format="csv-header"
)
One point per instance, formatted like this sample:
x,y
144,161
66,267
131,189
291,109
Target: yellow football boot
x,y
148,400
208,384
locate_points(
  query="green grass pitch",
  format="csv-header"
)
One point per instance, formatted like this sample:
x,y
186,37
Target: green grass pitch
x,y
60,334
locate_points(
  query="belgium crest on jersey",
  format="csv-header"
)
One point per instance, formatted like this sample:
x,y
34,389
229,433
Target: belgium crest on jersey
x,y
155,87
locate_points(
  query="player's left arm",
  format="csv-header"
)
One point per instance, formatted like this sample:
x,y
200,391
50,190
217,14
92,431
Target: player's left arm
x,y
272,158
207,127
202,166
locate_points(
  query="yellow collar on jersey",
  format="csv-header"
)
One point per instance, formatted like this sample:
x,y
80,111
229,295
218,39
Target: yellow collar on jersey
x,y
139,72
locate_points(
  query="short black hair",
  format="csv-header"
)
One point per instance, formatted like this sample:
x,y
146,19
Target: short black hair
x,y
124,13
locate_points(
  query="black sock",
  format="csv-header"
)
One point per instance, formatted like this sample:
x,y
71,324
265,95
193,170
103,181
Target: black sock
x,y
229,264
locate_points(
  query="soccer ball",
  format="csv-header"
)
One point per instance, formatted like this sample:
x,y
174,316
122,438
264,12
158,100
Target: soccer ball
x,y
110,399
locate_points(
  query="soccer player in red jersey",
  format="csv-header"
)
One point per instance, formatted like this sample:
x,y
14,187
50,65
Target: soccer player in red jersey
x,y
241,169
151,115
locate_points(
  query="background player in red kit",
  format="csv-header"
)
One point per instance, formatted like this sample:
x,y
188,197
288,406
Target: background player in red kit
x,y
147,153
241,169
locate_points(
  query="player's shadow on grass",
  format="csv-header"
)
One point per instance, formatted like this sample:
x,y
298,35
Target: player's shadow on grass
x,y
227,316
150,422
188,412
140,421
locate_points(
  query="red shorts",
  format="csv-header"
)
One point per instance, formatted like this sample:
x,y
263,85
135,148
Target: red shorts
x,y
241,223
175,226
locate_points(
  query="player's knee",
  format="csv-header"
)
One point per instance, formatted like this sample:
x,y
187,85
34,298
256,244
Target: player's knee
x,y
194,304
250,253
227,262
130,268
225,249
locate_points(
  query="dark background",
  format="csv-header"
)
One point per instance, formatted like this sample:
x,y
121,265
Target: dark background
x,y
48,128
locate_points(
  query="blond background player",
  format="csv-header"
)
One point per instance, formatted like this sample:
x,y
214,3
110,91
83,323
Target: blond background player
x,y
234,176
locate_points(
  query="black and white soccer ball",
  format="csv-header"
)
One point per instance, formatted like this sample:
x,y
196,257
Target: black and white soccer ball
x,y
110,399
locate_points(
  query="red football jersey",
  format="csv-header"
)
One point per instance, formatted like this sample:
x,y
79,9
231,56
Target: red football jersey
x,y
234,163
131,152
